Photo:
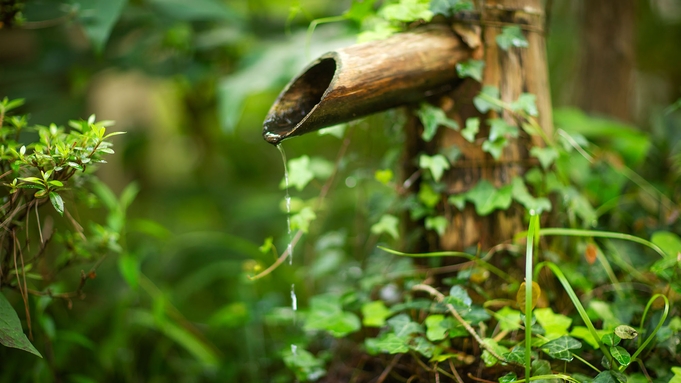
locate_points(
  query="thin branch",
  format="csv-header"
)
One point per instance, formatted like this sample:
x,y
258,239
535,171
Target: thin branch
x,y
387,370
440,298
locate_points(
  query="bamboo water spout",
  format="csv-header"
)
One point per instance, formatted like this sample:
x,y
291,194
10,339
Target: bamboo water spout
x,y
366,78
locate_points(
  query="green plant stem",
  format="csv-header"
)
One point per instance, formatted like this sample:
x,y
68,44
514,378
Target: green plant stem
x,y
548,377
481,262
657,328
440,297
579,358
578,305
534,223
557,231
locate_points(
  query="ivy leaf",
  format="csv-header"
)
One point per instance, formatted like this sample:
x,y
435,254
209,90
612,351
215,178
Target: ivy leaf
x,y
488,358
407,11
488,99
439,224
458,200
470,68
422,346
541,367
560,348
374,314
517,355
621,355
508,378
556,325
299,172
431,117
495,148
435,330
403,326
327,314
387,224
669,242
383,176
57,202
359,10
500,128
437,165
487,198
527,103
472,128
546,156
509,319
321,168
428,196
458,296
609,376
519,193
584,334
391,343
302,219
304,364
676,370
511,36
11,334
449,7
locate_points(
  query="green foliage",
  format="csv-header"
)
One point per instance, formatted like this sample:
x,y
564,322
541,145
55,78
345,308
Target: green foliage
x,y
11,334
431,118
511,36
471,68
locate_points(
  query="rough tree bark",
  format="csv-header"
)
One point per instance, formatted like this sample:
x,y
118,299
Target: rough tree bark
x,y
606,69
516,71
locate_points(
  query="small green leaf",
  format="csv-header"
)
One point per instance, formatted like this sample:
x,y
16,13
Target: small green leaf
x,y
555,325
374,314
487,198
299,172
472,128
526,103
509,319
508,378
129,268
610,339
439,224
437,165
57,202
304,364
449,7
584,334
495,148
403,326
432,117
458,200
11,334
391,343
387,224
436,328
560,348
301,220
487,357
522,195
669,242
429,197
517,355
266,246
607,377
541,367
337,130
500,128
407,11
626,332
384,176
471,68
675,370
621,355
488,99
326,314
511,36
546,156
458,296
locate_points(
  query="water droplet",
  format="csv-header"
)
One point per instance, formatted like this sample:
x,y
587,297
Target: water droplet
x,y
294,299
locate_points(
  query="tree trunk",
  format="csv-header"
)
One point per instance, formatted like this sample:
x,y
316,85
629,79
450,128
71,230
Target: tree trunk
x,y
606,74
516,71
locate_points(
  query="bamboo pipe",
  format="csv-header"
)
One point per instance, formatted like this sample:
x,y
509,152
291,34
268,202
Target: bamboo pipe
x,y
366,78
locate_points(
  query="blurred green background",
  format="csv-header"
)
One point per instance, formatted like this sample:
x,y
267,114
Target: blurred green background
x,y
191,82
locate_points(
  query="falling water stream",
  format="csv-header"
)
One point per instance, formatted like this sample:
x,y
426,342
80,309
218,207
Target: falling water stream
x,y
289,248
